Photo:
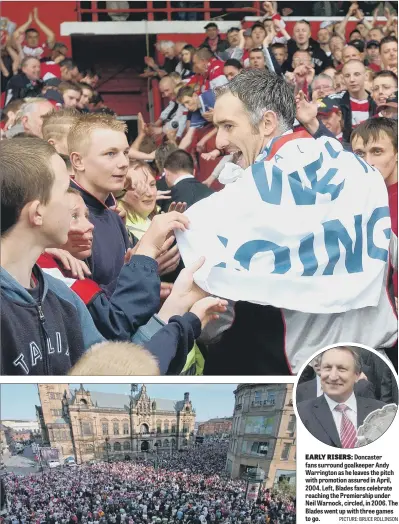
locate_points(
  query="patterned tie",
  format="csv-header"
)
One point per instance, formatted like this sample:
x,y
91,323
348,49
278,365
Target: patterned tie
x,y
348,433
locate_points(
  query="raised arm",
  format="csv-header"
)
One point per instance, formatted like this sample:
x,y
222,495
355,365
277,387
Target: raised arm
x,y
46,30
341,29
187,139
16,58
22,28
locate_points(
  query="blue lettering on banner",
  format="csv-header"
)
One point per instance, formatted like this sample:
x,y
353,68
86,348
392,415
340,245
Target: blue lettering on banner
x,y
331,151
305,196
247,251
335,232
307,256
272,194
372,250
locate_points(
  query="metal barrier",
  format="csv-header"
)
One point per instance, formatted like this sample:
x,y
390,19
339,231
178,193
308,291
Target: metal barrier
x,y
207,11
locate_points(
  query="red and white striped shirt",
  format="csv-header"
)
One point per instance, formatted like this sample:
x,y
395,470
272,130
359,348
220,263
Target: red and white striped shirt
x,y
360,111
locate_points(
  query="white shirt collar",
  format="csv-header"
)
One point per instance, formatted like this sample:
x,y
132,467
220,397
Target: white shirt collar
x,y
351,402
265,151
182,177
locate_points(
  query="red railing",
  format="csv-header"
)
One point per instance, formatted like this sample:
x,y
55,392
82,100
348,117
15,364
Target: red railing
x,y
207,11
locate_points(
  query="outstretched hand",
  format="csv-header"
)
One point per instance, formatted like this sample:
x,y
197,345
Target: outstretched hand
x,y
161,228
207,309
306,111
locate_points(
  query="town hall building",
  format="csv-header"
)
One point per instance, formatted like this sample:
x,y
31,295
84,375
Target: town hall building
x,y
93,425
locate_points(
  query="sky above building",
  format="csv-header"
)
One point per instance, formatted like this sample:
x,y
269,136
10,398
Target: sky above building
x,y
209,400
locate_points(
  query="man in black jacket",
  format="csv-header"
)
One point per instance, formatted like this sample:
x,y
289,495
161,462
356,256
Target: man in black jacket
x,y
355,103
179,168
213,41
26,84
302,40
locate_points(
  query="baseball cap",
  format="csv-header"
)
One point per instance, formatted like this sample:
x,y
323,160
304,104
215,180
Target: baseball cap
x,y
211,24
391,101
55,97
327,105
359,44
372,43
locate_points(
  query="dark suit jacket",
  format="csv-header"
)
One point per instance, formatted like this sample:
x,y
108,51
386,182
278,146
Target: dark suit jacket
x,y
318,420
308,390
189,190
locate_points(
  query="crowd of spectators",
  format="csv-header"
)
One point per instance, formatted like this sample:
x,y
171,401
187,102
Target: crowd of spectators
x,y
99,215
188,486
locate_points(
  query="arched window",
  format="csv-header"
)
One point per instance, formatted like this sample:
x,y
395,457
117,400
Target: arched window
x,y
185,442
159,426
144,428
185,428
173,427
104,426
173,443
166,426
117,446
126,445
166,443
159,444
125,427
116,427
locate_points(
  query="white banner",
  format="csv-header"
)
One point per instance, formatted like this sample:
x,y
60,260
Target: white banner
x,y
307,230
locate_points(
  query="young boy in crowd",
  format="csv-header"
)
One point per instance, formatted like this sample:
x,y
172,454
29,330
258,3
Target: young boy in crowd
x,y
98,150
55,327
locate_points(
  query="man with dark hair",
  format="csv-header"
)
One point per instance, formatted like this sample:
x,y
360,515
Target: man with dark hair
x,y
334,417
179,176
85,98
232,68
257,59
69,71
213,40
71,93
373,59
91,77
27,83
254,115
376,140
389,53
31,46
385,83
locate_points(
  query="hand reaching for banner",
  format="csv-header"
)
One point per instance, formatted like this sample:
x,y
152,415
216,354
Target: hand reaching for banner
x,y
186,296
207,309
162,226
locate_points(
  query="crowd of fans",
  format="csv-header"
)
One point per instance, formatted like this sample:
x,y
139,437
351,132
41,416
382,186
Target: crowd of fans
x,y
99,216
185,487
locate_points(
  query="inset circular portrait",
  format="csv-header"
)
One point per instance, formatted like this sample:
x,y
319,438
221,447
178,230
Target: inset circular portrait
x,y
347,396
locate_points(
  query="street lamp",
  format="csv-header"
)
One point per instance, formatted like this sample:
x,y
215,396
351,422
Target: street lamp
x,y
107,448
